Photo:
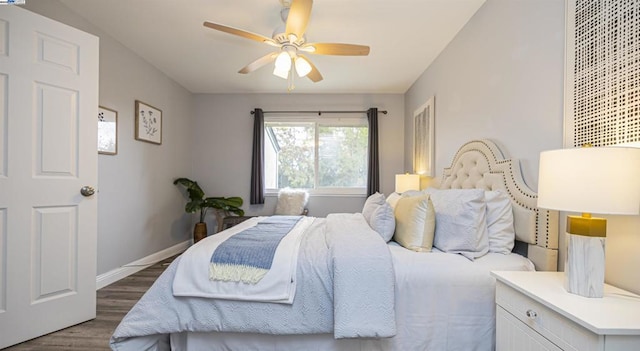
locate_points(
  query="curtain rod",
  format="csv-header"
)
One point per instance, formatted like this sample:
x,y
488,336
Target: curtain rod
x,y
384,112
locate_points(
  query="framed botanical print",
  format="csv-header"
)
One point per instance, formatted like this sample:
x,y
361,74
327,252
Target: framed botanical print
x,y
423,139
107,131
148,123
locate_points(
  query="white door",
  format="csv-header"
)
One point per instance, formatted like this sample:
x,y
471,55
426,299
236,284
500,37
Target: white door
x,y
48,138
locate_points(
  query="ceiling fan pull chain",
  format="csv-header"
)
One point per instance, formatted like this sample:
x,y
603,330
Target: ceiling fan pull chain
x,y
290,85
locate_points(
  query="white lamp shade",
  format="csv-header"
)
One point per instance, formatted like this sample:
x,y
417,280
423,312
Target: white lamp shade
x,y
284,74
604,180
282,65
283,61
406,182
302,66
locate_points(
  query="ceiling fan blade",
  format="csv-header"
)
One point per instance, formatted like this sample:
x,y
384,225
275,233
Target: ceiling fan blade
x,y
298,17
266,59
314,75
337,49
239,32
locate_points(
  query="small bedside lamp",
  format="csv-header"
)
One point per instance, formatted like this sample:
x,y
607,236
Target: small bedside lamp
x,y
603,180
406,182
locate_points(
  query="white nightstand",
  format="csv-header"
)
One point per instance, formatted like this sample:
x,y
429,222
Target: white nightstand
x,y
534,312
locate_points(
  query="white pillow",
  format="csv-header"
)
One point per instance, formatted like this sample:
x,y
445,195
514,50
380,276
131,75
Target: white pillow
x,y
415,222
291,202
499,222
461,224
379,214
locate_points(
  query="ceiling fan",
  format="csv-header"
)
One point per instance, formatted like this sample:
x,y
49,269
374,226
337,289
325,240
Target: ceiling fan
x,y
292,44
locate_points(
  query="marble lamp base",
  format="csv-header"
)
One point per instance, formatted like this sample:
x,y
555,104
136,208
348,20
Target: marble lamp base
x,y
584,266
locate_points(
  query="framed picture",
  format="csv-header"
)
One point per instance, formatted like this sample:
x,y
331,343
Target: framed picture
x,y
423,139
107,131
148,123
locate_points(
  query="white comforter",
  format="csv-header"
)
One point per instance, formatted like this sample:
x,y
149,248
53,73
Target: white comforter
x,y
345,287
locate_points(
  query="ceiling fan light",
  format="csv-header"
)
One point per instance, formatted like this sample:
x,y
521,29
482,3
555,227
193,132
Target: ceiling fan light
x,y
283,61
284,74
302,67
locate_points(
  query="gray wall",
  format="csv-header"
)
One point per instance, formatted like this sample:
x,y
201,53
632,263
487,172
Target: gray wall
x,y
500,78
140,211
622,247
223,128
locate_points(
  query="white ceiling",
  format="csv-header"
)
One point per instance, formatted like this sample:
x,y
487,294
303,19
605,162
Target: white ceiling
x,y
405,36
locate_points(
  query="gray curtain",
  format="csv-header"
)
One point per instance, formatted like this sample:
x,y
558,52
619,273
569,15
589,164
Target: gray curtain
x,y
257,160
373,177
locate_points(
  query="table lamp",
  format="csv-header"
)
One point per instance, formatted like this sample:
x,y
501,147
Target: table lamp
x,y
604,180
406,182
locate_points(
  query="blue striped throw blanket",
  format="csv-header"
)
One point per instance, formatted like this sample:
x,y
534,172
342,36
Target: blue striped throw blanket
x,y
247,256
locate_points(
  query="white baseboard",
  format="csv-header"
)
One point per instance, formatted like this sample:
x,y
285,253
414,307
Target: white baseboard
x,y
113,276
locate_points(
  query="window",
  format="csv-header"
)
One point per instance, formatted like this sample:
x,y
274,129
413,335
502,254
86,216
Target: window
x,y
325,155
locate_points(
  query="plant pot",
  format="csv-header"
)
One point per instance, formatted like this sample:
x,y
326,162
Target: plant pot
x,y
199,232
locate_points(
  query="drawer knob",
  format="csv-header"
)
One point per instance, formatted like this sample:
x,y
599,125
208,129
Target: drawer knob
x,y
532,314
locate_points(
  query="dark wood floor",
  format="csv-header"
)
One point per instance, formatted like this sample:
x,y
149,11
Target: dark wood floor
x,y
113,302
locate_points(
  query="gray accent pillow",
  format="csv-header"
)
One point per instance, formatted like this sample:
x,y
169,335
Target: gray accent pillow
x,y
379,214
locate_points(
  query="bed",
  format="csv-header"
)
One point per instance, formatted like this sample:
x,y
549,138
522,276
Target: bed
x,y
401,299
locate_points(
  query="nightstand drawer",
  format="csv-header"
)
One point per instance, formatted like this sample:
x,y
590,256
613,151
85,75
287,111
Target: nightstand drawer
x,y
515,335
556,328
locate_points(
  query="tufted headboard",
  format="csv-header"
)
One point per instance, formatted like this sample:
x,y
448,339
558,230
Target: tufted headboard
x,y
480,164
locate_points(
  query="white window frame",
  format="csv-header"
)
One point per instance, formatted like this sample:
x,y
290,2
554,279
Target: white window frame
x,y
334,120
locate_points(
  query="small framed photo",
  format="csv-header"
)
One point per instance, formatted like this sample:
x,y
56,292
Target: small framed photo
x,y
107,131
423,139
148,123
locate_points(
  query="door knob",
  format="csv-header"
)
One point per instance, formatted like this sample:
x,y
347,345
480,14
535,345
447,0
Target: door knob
x,y
87,190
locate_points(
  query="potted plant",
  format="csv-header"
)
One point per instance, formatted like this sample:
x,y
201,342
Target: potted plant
x,y
198,202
